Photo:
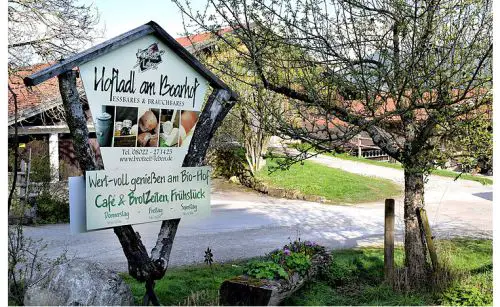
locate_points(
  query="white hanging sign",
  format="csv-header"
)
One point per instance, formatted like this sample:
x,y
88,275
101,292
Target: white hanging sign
x,y
145,102
116,198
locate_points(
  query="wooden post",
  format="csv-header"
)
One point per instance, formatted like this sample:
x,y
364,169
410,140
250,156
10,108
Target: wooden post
x,y
428,238
360,155
389,241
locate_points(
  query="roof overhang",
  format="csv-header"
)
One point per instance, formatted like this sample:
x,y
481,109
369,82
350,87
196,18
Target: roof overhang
x,y
117,42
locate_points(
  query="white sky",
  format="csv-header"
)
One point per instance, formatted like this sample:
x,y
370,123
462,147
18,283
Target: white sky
x,y
120,16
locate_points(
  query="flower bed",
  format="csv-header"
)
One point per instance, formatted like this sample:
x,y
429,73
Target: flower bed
x,y
269,282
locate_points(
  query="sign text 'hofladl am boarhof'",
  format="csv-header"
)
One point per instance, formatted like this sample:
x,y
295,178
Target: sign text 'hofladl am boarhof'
x,y
145,102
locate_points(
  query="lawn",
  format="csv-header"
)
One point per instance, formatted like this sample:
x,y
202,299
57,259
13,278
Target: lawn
x,y
354,278
437,172
335,185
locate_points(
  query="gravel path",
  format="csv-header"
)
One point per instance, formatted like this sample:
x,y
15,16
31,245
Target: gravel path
x,y
245,223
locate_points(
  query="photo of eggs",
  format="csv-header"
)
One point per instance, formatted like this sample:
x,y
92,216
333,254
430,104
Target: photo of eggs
x,y
169,128
125,127
189,119
148,128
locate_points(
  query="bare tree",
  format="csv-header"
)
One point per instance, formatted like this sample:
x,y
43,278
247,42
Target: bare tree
x,y
49,29
38,31
406,72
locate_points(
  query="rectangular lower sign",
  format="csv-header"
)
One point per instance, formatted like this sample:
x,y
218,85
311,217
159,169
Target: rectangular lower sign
x,y
115,198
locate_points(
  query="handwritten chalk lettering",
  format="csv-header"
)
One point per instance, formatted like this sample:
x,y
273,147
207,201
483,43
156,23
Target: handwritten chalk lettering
x,y
108,215
186,195
97,182
119,181
155,210
191,207
199,176
151,178
113,83
147,88
178,90
146,198
109,201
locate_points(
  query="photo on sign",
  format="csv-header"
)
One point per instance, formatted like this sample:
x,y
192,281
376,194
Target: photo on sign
x,y
104,125
188,124
125,128
149,126
169,128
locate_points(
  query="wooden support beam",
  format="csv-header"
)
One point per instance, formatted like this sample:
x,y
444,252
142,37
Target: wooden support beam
x,y
429,238
389,241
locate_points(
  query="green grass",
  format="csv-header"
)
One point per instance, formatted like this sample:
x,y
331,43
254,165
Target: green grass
x,y
356,275
335,185
182,283
437,172
354,278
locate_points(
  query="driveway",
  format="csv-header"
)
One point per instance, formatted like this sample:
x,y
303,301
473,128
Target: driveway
x,y
245,224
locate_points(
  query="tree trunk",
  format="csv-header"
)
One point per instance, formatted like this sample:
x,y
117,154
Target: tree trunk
x,y
414,251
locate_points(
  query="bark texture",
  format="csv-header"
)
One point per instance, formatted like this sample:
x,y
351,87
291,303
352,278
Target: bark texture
x,y
414,250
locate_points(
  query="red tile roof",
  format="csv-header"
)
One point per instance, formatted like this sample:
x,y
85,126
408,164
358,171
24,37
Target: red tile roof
x,y
31,101
187,41
34,97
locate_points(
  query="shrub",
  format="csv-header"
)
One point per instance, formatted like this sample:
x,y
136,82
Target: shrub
x,y
340,273
265,270
298,262
473,291
51,209
292,258
228,161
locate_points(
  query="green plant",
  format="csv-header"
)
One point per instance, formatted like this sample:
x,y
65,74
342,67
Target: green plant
x,y
26,262
467,294
340,273
265,270
298,262
50,209
334,185
228,161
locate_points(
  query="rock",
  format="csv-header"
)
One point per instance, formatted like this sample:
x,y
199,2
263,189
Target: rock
x,y
79,283
234,179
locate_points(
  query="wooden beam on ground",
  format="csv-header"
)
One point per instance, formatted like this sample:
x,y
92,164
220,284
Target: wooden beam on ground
x,y
247,291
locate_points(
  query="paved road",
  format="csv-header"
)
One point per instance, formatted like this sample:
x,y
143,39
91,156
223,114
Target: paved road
x,y
246,224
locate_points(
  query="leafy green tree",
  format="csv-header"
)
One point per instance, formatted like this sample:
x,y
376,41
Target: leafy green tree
x,y
406,72
250,122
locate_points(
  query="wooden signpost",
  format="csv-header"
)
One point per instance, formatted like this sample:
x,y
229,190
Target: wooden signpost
x,y
142,266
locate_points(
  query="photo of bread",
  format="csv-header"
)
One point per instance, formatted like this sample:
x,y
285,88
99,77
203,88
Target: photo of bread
x,y
189,119
148,128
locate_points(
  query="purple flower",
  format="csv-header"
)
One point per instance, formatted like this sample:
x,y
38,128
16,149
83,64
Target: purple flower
x,y
286,251
308,243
